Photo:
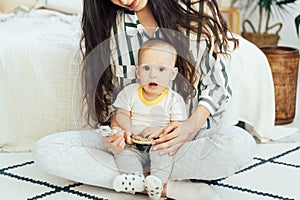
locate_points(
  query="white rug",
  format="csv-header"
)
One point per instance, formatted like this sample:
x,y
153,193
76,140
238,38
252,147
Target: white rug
x,y
273,174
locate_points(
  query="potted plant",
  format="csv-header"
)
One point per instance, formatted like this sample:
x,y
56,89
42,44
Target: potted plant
x,y
267,8
284,61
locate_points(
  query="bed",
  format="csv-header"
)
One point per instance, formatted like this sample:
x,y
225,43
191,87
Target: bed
x,y
253,100
38,65
39,61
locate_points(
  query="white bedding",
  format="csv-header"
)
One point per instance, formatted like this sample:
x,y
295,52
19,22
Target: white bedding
x,y
253,100
38,66
37,69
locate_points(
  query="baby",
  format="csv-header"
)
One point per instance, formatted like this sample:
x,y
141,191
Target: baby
x,y
143,109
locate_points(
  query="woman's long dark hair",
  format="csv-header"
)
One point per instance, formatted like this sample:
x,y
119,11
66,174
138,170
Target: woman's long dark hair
x,y
97,20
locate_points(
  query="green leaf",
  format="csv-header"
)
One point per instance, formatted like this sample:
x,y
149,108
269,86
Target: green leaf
x,y
268,8
284,2
297,23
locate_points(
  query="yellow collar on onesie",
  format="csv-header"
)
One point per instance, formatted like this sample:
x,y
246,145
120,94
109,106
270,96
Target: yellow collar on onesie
x,y
153,102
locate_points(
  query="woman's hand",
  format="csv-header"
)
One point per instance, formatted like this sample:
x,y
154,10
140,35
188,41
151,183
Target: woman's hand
x,y
174,136
116,142
152,132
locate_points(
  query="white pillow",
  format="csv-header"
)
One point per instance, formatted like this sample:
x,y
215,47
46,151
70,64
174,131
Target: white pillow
x,y
66,6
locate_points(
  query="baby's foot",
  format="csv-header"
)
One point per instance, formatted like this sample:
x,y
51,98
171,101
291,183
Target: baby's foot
x,y
130,183
153,186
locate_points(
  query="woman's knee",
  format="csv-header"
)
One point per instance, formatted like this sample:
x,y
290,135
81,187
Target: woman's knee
x,y
243,139
245,147
236,135
48,149
222,150
239,145
76,156
52,151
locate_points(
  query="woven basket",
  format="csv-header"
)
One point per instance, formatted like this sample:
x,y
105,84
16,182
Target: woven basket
x,y
261,39
284,63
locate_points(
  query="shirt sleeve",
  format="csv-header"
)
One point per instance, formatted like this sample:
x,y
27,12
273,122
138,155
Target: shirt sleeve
x,y
124,97
214,85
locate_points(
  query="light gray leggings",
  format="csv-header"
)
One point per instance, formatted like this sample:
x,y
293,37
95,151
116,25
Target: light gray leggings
x,y
132,160
81,156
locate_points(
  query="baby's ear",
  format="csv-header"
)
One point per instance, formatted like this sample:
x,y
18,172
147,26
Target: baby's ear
x,y
174,73
137,71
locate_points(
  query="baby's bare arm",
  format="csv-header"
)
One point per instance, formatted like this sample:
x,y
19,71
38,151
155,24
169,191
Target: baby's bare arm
x,y
124,121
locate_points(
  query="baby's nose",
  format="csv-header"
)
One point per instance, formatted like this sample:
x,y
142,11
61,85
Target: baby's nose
x,y
153,72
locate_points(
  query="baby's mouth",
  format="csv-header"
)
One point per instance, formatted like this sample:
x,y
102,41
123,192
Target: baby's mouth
x,y
152,84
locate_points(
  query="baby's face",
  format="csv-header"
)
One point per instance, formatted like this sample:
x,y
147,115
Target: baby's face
x,y
155,71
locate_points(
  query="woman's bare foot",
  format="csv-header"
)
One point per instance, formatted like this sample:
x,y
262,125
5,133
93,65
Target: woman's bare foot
x,y
181,190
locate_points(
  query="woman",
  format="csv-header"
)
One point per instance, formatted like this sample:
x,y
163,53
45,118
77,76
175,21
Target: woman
x,y
112,31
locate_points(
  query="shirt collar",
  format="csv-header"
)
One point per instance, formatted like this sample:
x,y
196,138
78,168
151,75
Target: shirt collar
x,y
132,24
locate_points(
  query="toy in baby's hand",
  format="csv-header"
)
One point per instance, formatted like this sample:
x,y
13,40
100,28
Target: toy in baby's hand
x,y
138,139
106,131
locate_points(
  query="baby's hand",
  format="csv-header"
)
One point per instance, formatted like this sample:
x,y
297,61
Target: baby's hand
x,y
152,132
116,142
127,136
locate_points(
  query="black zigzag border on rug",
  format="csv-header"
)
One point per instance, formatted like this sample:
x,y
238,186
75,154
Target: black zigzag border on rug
x,y
271,160
279,163
57,189
265,194
262,162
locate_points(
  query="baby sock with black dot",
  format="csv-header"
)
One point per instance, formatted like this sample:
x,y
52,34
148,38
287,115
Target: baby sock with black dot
x,y
153,186
130,183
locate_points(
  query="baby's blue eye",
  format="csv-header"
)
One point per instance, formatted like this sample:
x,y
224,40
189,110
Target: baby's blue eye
x,y
161,69
146,67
